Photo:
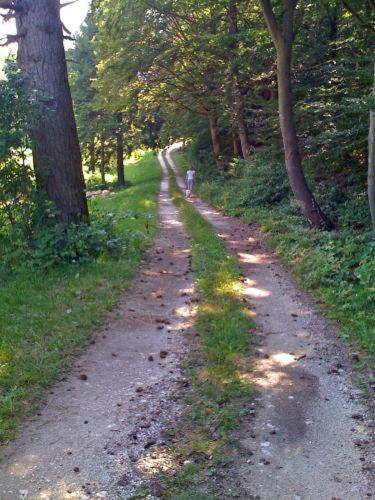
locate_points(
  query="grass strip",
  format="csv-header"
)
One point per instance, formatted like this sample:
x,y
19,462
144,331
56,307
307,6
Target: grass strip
x,y
48,316
219,370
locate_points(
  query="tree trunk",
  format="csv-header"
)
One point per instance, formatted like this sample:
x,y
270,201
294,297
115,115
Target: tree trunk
x,y
102,162
283,43
120,153
236,151
56,152
92,156
239,105
240,118
371,162
216,148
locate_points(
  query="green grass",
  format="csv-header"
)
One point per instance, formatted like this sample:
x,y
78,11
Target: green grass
x,y
336,267
48,316
219,368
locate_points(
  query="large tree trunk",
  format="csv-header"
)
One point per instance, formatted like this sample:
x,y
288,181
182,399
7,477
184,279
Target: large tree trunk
x,y
371,162
56,152
216,147
120,153
283,43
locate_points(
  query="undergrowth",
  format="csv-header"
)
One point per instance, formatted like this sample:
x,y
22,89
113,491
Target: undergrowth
x,y
221,388
48,315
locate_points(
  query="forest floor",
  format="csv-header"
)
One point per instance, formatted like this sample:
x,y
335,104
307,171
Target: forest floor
x,y
102,431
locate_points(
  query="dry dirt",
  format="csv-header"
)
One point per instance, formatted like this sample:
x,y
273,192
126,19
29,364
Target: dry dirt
x,y
307,435
98,437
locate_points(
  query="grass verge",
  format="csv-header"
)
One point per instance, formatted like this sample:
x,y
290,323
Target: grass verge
x,y
336,267
219,369
48,316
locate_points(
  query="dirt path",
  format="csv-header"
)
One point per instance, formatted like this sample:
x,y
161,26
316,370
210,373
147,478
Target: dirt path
x,y
307,434
95,436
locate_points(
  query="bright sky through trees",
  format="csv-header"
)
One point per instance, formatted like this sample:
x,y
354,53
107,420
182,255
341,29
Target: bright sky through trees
x,y
72,17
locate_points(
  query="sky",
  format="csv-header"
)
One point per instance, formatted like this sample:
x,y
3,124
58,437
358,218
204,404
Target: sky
x,y
72,16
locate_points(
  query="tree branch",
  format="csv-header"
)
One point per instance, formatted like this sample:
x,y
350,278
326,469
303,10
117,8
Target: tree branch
x,y
67,3
6,5
11,39
271,21
357,16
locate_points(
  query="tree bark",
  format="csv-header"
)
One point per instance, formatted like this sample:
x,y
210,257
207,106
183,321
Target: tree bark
x,y
102,162
92,156
241,124
371,162
239,106
120,153
236,151
216,147
283,42
56,151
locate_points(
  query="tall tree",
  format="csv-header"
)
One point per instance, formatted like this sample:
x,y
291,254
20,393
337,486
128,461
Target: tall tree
x,y
120,151
56,152
282,36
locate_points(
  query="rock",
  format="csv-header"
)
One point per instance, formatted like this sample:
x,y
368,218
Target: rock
x,y
355,356
139,389
149,443
76,470
357,416
163,354
151,358
332,370
156,490
124,480
264,461
82,376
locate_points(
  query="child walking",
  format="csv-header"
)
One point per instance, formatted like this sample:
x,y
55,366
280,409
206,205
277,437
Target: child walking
x,y
190,177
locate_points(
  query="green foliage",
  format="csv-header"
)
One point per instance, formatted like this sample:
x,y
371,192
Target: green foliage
x,y
48,315
17,189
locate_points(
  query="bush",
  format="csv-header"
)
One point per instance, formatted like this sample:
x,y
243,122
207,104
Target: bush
x,y
258,181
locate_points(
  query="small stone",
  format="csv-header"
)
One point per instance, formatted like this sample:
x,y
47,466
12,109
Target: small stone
x,y
332,370
83,376
150,443
163,354
151,358
76,469
357,416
